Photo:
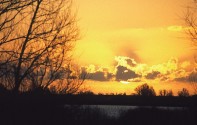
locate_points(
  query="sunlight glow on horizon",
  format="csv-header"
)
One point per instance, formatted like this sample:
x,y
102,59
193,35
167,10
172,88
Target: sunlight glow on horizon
x,y
124,82
119,88
148,34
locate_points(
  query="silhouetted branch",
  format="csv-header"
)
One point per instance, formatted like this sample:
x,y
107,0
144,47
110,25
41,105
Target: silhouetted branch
x,y
37,54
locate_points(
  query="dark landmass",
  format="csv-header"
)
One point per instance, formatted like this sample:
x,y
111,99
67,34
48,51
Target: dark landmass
x,y
35,109
172,101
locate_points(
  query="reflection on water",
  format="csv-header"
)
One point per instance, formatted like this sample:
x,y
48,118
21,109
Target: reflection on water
x,y
110,110
116,110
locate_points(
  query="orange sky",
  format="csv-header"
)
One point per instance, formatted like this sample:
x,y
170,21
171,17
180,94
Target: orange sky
x,y
134,28
150,32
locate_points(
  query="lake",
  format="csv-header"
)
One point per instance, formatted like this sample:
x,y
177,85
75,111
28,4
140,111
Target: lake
x,y
116,110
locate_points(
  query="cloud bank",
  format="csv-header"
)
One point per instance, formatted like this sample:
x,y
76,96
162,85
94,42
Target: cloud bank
x,y
128,69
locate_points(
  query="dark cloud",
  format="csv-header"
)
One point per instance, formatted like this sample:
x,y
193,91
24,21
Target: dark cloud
x,y
181,79
97,76
110,76
192,77
152,75
126,49
129,52
124,74
131,62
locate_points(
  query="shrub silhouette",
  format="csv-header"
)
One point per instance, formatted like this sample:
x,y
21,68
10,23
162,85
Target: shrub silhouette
x,y
165,92
183,93
86,93
145,90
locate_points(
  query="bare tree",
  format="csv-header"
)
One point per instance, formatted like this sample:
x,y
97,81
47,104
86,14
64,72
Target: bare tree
x,y
183,93
36,37
145,90
70,81
165,92
190,19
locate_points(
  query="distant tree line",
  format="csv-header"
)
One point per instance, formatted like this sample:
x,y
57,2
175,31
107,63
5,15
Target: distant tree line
x,y
143,90
146,90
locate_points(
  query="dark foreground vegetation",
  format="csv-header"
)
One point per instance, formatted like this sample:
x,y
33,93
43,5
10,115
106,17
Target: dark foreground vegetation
x,y
51,109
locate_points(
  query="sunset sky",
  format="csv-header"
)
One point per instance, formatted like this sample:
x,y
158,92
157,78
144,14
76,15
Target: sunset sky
x,y
134,41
